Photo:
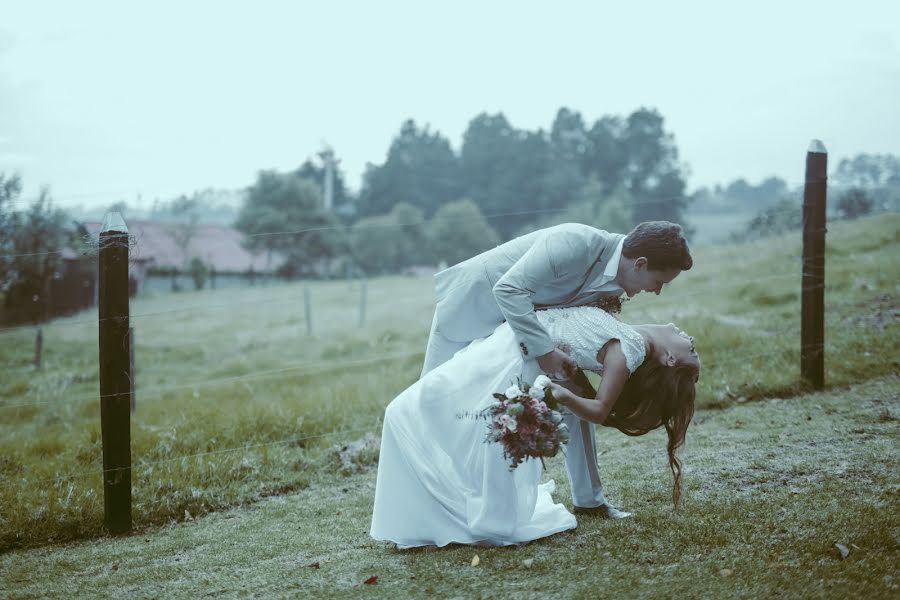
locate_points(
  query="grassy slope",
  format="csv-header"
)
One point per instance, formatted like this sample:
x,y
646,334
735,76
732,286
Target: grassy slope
x,y
770,488
741,302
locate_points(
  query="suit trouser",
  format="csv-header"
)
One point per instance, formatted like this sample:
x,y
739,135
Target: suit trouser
x,y
581,451
581,463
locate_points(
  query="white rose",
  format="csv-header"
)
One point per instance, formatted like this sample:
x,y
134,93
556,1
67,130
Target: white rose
x,y
513,392
512,424
542,382
536,393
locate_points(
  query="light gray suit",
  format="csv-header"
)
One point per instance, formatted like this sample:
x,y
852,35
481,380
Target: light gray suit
x,y
558,266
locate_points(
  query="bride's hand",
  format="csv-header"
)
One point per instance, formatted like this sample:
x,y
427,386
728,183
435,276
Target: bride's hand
x,y
561,394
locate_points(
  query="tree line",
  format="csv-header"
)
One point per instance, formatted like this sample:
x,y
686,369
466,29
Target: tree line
x,y
427,203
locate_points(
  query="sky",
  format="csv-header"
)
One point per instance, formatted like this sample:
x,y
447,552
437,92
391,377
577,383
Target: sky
x,y
111,101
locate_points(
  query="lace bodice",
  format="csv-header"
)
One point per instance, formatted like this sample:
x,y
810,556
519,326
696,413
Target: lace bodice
x,y
586,329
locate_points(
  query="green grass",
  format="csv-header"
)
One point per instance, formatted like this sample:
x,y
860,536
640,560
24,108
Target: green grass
x,y
222,375
770,488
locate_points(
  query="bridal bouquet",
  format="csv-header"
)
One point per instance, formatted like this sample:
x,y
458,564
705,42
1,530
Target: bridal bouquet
x,y
526,420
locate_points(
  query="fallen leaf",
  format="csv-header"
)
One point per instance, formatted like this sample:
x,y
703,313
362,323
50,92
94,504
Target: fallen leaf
x,y
187,516
855,547
726,572
475,560
371,580
843,550
314,565
528,562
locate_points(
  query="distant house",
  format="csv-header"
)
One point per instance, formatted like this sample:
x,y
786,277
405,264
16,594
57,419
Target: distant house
x,y
161,253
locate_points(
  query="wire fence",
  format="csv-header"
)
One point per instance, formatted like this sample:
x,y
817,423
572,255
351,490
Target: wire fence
x,y
300,297
774,210
308,368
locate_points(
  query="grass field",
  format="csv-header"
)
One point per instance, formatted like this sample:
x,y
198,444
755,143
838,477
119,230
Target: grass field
x,y
237,403
770,488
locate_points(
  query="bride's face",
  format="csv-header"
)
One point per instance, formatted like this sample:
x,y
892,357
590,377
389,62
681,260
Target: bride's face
x,y
677,347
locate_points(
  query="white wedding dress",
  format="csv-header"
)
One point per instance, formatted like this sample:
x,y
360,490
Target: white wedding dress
x,y
438,481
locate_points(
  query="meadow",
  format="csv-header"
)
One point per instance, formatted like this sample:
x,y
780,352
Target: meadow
x,y
236,403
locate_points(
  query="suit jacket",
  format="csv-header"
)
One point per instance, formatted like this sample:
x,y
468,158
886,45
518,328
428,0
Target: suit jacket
x,y
558,266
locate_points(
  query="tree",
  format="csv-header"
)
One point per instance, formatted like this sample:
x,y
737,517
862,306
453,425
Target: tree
x,y
778,218
653,173
878,175
32,240
868,171
606,157
376,245
593,206
388,243
421,169
506,173
570,141
184,230
411,231
854,203
283,214
199,272
459,231
10,190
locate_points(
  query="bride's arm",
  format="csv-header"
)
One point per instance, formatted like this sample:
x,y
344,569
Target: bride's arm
x,y
595,410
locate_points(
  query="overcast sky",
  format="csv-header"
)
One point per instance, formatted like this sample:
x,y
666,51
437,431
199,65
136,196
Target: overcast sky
x,y
102,101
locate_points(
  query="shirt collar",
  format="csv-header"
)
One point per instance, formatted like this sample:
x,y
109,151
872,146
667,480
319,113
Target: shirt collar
x,y
612,267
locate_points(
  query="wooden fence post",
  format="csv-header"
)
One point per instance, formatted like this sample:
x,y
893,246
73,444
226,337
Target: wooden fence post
x,y
812,309
307,307
115,385
38,348
362,302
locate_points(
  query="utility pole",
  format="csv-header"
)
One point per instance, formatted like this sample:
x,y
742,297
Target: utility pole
x,y
327,157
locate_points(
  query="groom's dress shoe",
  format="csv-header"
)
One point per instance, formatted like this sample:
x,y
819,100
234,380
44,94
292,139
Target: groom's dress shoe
x,y
604,510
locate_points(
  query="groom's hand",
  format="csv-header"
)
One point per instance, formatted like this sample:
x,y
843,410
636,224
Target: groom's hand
x,y
557,364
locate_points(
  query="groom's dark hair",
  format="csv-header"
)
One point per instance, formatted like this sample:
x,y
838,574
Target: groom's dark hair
x,y
662,243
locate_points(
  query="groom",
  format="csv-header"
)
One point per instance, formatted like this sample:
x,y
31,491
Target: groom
x,y
565,265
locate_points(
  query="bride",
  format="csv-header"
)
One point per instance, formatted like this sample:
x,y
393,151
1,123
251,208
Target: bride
x,y
440,483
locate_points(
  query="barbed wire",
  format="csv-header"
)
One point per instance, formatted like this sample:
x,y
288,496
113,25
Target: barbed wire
x,y
109,196
772,210
98,320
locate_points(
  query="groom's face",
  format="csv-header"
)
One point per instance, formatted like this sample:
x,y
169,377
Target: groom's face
x,y
639,278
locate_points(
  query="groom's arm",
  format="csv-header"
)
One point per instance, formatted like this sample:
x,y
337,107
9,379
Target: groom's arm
x,y
555,256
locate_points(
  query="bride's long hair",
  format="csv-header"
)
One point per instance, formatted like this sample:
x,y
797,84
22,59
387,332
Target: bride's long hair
x,y
656,395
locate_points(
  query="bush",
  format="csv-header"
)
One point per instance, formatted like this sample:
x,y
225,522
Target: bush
x,y
855,203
